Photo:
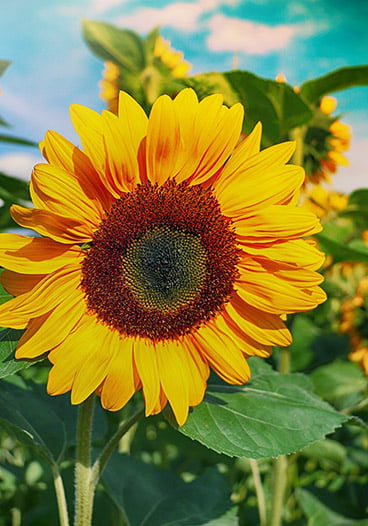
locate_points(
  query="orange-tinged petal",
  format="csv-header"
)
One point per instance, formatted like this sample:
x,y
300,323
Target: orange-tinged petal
x,y
55,190
92,370
119,385
17,284
62,229
36,255
223,142
60,152
221,353
45,296
174,376
163,140
261,326
50,329
145,359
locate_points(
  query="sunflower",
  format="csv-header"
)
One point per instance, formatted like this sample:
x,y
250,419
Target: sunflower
x,y
324,202
354,322
168,249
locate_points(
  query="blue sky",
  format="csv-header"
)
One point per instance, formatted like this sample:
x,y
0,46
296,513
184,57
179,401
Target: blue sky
x,y
53,68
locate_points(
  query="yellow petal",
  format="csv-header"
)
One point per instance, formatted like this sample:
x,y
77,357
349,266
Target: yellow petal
x,y
163,140
146,362
119,385
36,255
263,327
276,223
174,376
17,284
62,229
50,329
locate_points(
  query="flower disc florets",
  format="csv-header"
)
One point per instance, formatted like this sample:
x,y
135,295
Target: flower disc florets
x,y
162,262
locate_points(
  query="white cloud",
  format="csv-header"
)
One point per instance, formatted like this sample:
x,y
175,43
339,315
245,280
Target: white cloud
x,y
356,175
101,6
19,164
180,15
234,34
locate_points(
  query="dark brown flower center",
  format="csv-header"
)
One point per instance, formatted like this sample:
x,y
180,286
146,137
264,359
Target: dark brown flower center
x,y
162,262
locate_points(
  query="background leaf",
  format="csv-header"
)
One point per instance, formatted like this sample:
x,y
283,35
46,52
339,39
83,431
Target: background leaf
x,y
152,497
341,252
273,414
320,515
337,80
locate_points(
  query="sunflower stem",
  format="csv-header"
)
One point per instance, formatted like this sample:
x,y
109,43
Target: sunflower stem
x,y
60,496
280,465
102,459
84,490
297,135
261,503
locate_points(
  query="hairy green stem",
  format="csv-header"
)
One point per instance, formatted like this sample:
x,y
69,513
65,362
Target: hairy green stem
x,y
278,489
60,496
297,134
101,461
261,503
83,487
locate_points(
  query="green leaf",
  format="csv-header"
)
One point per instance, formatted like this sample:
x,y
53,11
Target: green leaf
x,y
30,416
152,497
122,46
273,414
338,379
229,519
305,332
337,80
8,364
16,140
341,252
4,64
320,515
275,104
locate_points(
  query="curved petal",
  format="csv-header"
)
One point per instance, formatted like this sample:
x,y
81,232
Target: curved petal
x,y
120,383
17,284
163,140
263,327
60,152
45,296
57,191
92,371
49,330
245,193
36,255
145,358
276,223
174,376
299,253
62,229
222,354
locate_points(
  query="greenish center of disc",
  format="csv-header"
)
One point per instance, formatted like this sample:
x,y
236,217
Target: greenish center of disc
x,y
165,268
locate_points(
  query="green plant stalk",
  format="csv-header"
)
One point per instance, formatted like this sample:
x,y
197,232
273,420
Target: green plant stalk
x,y
297,135
101,461
280,465
261,503
83,487
60,496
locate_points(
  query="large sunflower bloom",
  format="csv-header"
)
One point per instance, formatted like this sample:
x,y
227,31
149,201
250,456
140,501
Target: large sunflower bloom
x,y
168,249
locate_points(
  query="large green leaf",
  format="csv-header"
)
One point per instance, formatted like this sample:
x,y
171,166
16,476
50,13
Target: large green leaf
x,y
8,342
319,514
337,80
338,379
341,252
152,497
273,414
31,418
121,46
275,104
